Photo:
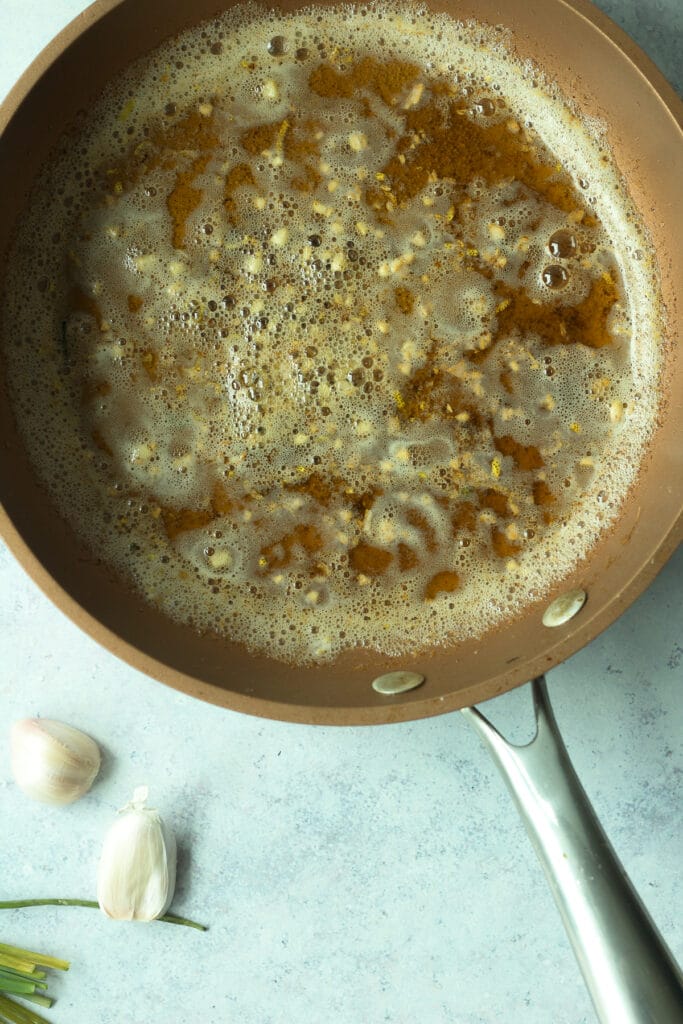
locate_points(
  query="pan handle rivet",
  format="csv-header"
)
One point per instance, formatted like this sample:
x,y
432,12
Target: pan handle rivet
x,y
564,608
397,682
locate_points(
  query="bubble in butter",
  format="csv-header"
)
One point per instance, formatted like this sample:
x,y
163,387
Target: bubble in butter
x,y
397,682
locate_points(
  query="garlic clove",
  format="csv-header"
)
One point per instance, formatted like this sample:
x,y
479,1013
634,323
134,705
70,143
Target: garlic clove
x,y
52,762
136,874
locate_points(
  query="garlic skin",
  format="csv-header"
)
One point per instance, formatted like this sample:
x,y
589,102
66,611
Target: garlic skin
x,y
52,762
136,874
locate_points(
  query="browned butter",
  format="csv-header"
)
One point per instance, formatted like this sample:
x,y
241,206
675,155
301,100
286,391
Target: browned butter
x,y
340,333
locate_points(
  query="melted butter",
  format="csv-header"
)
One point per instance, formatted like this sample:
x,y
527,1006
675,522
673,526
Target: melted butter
x,y
338,342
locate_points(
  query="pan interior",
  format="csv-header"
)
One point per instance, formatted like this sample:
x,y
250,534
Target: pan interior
x,y
345,682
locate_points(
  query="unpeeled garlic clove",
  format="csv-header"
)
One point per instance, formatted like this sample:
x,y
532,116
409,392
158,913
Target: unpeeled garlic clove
x,y
51,761
136,874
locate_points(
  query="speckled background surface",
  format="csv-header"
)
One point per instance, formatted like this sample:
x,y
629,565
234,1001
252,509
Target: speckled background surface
x,y
351,876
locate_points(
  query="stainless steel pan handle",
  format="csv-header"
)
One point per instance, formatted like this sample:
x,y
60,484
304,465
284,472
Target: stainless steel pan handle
x,y
630,973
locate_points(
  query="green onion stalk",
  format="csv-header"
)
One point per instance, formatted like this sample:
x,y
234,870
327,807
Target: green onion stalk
x,y
19,904
21,976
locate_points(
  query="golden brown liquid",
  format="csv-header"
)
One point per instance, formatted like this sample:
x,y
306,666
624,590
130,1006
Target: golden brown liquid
x,y
346,343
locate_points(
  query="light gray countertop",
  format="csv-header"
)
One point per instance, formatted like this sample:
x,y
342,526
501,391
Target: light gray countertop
x,y
351,876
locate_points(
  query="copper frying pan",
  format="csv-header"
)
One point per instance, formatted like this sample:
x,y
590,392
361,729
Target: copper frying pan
x,y
607,76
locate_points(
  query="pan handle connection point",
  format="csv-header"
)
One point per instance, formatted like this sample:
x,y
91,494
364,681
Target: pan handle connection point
x,y
629,971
